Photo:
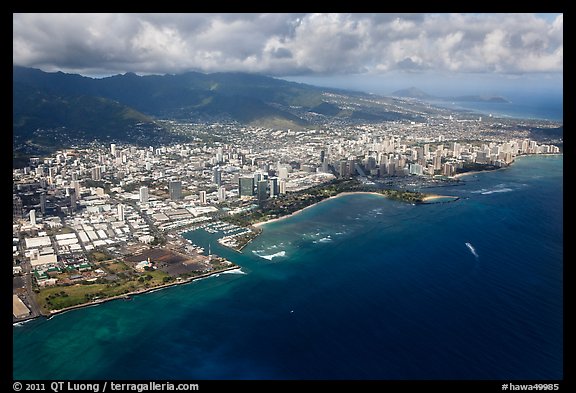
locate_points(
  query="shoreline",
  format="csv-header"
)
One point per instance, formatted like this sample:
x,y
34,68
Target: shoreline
x,y
262,223
426,198
127,296
434,196
459,175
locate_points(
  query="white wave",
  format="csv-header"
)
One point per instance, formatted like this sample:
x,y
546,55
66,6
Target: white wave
x,y
234,271
497,190
22,322
472,249
156,290
269,257
325,239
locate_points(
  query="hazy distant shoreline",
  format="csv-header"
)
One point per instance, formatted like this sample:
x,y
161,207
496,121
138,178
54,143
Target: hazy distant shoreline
x,y
425,198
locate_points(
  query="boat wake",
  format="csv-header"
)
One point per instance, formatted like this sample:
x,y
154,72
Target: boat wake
x,y
472,249
497,190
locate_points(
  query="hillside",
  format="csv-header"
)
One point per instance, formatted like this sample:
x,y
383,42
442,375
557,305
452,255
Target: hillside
x,y
56,109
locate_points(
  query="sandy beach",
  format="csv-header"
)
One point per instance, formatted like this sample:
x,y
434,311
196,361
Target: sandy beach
x,y
426,198
433,197
259,224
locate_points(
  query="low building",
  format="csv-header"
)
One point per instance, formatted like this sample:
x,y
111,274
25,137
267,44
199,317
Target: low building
x,y
19,309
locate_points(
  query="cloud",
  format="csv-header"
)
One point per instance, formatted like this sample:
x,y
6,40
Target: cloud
x,y
289,44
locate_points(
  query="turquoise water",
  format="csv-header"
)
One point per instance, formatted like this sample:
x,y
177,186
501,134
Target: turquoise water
x,y
357,287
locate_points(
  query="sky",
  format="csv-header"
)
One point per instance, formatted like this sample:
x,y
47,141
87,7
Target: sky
x,y
379,53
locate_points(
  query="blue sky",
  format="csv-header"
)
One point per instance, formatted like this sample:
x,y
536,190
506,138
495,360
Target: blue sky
x,y
441,53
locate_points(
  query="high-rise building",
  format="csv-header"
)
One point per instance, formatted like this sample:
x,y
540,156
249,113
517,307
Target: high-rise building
x,y
352,169
43,202
282,186
217,176
16,207
246,186
175,188
343,169
283,172
259,176
113,149
72,193
144,196
222,194
120,212
202,197
273,183
219,155
32,217
262,190
370,163
322,155
76,185
448,169
96,173
437,162
481,157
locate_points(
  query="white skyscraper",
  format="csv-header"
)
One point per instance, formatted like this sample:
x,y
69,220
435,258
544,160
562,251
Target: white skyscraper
x,y
113,149
33,217
203,197
144,194
283,172
120,212
222,194
76,185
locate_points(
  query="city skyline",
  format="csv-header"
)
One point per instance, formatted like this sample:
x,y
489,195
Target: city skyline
x,y
361,230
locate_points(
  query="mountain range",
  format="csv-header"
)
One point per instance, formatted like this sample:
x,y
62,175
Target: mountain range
x,y
55,109
416,93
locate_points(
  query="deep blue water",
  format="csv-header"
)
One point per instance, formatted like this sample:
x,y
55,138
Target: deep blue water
x,y
357,287
521,106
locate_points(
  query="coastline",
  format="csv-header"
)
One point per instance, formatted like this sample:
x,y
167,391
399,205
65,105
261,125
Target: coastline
x,y
434,197
127,296
262,223
459,175
424,199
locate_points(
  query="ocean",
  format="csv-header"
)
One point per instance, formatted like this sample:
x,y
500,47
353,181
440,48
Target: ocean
x,y
358,287
539,106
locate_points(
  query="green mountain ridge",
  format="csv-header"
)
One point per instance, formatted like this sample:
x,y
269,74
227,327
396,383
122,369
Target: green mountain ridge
x,y
125,107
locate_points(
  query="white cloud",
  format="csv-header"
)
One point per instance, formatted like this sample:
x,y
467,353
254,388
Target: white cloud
x,y
289,44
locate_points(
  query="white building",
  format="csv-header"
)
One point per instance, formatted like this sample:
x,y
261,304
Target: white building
x,y
120,212
203,197
144,196
222,194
